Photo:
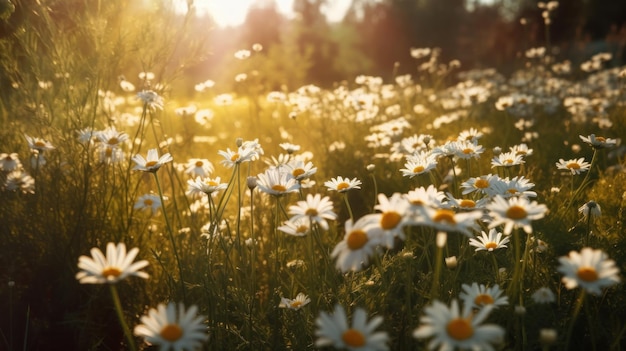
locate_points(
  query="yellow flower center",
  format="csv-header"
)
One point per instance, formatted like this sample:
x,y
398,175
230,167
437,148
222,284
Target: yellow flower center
x,y
171,332
150,163
356,239
511,191
417,202
418,169
600,139
311,212
508,161
587,274
113,141
481,183
234,157
444,215
343,186
297,172
211,183
148,202
460,329
491,245
302,229
573,165
108,152
390,220
199,163
111,272
467,151
278,187
516,212
295,304
40,143
483,299
467,203
353,338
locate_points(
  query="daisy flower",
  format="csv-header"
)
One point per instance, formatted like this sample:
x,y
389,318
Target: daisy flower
x,y
316,208
576,166
479,296
464,203
591,208
333,330
521,149
518,186
466,149
206,186
300,170
471,135
150,202
342,185
543,295
297,227
393,217
451,328
507,159
425,197
276,182
358,244
289,148
20,180
300,301
590,269
173,327
418,164
110,155
39,144
243,154
152,162
111,137
9,162
199,167
514,213
598,142
447,220
484,184
489,242
151,99
117,265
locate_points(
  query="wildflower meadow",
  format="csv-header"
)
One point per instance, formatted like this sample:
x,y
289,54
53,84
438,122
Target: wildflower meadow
x,y
145,207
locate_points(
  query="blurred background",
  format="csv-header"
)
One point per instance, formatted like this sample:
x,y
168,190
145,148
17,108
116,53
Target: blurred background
x,y
339,39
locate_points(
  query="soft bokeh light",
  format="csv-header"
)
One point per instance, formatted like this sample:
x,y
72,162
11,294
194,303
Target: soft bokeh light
x,y
233,12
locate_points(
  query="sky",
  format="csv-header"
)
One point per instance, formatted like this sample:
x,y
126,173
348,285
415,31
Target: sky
x,y
233,12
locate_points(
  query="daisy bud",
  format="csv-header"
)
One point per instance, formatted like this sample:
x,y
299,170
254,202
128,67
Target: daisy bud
x,y
548,336
370,167
251,182
442,237
451,262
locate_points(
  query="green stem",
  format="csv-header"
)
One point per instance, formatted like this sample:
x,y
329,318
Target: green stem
x,y
570,329
171,236
345,199
120,315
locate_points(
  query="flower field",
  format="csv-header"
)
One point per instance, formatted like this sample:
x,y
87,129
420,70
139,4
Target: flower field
x,y
444,209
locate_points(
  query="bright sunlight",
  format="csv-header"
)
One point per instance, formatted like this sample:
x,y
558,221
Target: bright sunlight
x,y
233,12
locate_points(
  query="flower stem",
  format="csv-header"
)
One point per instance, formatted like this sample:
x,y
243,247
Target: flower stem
x,y
171,236
570,329
345,199
120,315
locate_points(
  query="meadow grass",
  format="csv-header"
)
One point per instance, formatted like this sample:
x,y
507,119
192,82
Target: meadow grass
x,y
224,252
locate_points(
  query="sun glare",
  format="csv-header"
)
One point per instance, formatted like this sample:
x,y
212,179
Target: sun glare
x,y
233,12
